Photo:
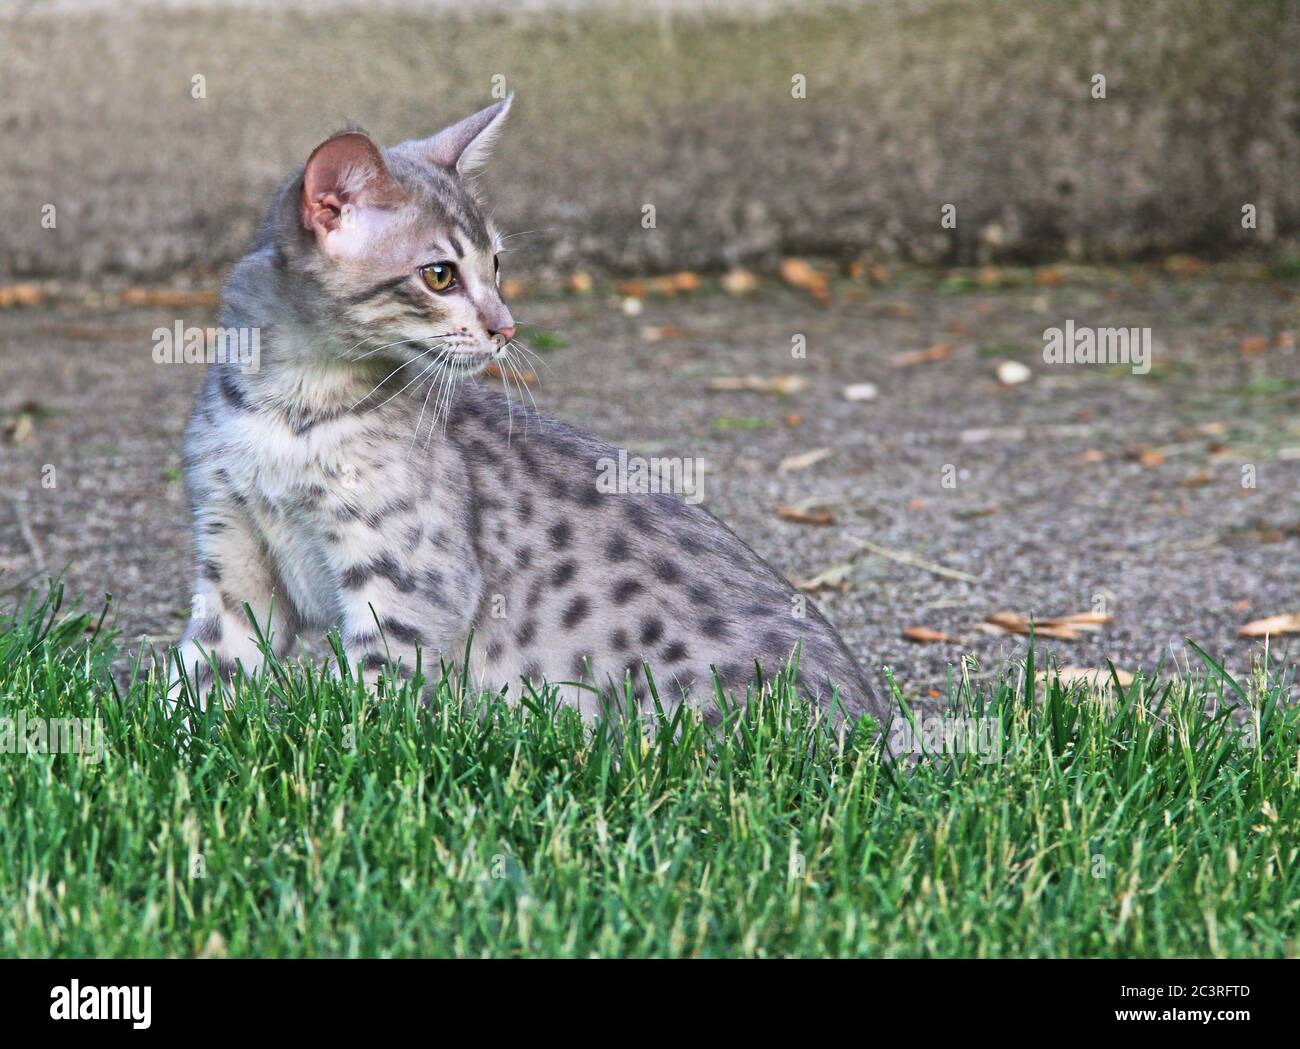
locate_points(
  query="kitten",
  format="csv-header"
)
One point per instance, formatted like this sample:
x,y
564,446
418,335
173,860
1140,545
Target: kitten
x,y
360,479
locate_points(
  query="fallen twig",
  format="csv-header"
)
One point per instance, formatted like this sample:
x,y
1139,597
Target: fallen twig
x,y
19,504
904,557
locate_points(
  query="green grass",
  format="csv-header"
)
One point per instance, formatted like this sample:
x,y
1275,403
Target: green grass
x,y
741,423
540,339
332,823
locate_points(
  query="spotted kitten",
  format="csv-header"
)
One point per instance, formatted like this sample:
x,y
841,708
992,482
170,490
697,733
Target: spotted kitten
x,y
361,479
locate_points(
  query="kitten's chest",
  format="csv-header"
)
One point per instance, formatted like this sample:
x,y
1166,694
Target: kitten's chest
x,y
305,491
302,471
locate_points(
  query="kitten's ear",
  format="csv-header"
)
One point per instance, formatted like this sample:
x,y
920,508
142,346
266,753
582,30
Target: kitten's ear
x,y
344,173
465,146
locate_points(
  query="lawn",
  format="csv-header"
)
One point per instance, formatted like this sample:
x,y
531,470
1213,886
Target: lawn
x,y
313,819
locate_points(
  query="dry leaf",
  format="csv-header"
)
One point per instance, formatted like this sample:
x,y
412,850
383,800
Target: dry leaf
x,y
168,297
659,332
1092,455
512,288
861,391
803,460
1148,456
1287,623
1082,617
781,385
1198,479
1089,621
1049,277
1254,344
668,285
1013,373
799,274
1065,628
925,636
808,515
907,359
20,429
877,274
1184,265
1014,623
580,282
20,295
835,576
793,419
523,375
739,281
903,311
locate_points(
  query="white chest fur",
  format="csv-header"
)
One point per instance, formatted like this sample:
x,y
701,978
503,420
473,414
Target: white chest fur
x,y
295,485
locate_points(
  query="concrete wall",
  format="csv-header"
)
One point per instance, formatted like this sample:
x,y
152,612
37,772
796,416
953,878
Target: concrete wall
x,y
910,104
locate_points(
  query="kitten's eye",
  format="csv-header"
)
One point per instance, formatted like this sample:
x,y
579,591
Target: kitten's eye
x,y
496,264
439,276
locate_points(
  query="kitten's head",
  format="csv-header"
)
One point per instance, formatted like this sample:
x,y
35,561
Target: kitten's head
x,y
400,248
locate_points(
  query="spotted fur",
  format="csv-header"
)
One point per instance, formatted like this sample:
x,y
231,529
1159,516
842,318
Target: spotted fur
x,y
346,484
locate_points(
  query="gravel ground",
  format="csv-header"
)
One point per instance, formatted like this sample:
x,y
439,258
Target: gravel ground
x,y
1085,488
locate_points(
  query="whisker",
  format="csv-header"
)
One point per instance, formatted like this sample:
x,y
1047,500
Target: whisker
x,y
387,345
510,411
532,354
443,378
404,388
369,353
519,368
444,403
446,419
524,391
443,407
529,356
423,406
527,232
388,377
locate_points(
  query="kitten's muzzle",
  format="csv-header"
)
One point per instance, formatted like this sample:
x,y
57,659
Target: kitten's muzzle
x,y
471,360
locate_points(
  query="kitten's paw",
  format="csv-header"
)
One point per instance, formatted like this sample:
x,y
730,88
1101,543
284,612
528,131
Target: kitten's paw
x,y
195,676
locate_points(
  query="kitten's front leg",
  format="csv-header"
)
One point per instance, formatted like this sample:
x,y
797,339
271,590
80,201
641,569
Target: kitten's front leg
x,y
232,569
403,588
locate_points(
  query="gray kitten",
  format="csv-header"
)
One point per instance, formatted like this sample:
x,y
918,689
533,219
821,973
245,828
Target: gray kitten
x,y
360,478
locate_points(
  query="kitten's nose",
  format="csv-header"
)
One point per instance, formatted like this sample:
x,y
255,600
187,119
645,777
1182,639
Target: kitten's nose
x,y
505,333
